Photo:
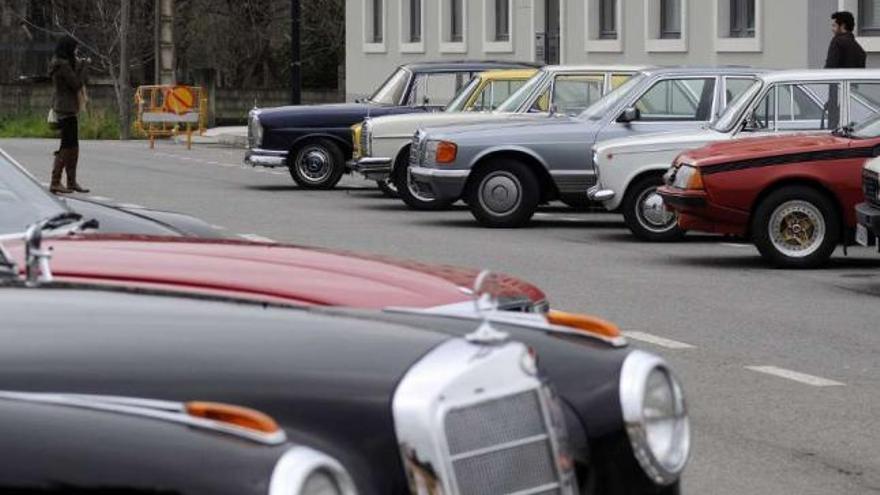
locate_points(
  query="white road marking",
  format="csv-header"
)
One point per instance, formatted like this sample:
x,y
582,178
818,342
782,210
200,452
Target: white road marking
x,y
815,381
131,206
660,341
257,238
228,164
100,198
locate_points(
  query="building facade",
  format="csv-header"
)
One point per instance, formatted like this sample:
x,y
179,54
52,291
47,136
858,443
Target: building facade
x,y
382,34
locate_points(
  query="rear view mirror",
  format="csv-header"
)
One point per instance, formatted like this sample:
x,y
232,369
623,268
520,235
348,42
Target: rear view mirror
x,y
630,114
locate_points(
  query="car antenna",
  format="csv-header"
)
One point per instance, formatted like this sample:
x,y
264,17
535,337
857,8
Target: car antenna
x,y
485,306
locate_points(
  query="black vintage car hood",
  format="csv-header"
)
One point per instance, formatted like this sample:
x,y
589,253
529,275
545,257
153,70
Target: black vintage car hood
x,y
331,115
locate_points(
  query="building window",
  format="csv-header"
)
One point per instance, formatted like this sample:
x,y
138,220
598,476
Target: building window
x,y
670,19
453,26
502,20
742,18
456,23
374,26
869,17
415,21
412,23
608,19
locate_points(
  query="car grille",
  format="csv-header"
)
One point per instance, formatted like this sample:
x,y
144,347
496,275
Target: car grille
x,y
416,151
254,131
364,144
502,446
871,186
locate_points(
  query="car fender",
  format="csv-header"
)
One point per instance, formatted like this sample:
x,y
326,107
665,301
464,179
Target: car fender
x,y
344,146
626,177
389,146
505,149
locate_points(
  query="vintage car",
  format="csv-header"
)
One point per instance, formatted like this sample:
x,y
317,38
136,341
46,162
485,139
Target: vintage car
x,y
24,201
868,213
314,141
504,171
55,442
408,401
630,170
794,196
274,272
382,143
484,93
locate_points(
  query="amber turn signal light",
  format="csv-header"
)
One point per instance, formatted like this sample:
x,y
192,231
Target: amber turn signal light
x,y
446,152
585,323
233,415
696,180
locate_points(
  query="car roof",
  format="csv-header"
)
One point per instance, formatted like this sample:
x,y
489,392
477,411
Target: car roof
x,y
492,75
820,75
596,68
466,65
713,70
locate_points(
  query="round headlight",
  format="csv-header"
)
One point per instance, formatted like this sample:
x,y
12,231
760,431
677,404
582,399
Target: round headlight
x,y
655,415
305,471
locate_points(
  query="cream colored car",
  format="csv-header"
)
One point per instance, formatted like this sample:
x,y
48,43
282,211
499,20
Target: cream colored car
x,y
383,142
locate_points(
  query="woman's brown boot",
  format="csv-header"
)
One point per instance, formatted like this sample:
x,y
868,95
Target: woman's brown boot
x,y
55,186
71,162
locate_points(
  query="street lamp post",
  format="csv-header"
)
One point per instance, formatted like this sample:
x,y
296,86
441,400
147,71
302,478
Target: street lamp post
x,y
295,55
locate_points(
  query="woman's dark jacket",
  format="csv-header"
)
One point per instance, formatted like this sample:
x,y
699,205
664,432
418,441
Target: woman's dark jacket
x,y
67,82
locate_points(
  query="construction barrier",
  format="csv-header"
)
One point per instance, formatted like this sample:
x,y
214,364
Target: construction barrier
x,y
166,110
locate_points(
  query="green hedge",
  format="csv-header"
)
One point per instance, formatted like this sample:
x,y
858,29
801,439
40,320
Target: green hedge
x,y
96,124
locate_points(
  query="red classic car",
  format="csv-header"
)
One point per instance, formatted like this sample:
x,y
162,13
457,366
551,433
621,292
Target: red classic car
x,y
794,195
271,273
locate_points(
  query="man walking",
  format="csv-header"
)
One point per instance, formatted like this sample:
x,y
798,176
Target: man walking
x,y
844,51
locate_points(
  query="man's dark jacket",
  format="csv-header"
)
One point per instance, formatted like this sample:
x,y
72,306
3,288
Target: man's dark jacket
x,y
845,53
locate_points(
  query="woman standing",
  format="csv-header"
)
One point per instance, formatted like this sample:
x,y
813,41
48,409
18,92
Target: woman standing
x,y
68,79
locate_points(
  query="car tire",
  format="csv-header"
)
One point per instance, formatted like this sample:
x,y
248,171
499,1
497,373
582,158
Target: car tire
x,y
646,216
414,196
504,194
579,202
317,164
796,227
389,190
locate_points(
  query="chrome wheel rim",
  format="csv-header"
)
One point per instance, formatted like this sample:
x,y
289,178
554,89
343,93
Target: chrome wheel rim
x,y
652,213
797,228
422,194
314,164
500,193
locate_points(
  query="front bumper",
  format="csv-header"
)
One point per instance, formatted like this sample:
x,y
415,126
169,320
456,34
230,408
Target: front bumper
x,y
597,193
257,157
444,184
697,212
868,216
374,168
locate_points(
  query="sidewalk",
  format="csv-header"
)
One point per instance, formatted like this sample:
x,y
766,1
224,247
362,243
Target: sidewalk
x,y
233,136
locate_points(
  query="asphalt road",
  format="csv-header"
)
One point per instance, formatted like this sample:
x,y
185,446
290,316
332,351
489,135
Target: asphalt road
x,y
781,368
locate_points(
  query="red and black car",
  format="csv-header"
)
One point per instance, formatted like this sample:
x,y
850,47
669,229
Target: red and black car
x,y
794,196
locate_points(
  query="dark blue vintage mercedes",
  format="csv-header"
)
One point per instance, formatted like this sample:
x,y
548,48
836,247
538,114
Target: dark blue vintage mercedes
x,y
314,141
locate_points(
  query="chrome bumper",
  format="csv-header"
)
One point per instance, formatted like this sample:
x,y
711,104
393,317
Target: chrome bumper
x,y
374,168
428,173
596,193
265,158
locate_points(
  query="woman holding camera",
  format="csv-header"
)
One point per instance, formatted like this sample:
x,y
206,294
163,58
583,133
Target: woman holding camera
x,y
68,79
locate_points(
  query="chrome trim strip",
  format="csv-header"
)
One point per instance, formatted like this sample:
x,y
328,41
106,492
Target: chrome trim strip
x,y
172,412
500,447
298,464
440,173
260,151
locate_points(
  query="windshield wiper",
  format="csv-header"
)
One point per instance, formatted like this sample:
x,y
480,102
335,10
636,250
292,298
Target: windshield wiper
x,y
68,219
844,131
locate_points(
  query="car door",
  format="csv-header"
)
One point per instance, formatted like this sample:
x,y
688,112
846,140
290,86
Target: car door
x,y
797,107
570,93
669,104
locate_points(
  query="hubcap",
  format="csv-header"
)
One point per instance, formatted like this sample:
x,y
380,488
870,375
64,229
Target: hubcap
x,y
797,228
500,193
652,212
418,191
314,164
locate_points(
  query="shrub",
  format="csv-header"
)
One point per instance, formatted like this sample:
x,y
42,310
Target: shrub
x,y
96,124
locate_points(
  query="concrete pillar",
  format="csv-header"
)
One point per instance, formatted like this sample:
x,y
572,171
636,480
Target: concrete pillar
x,y
165,49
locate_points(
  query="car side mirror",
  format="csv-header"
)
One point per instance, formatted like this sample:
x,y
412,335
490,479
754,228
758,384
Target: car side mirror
x,y
630,114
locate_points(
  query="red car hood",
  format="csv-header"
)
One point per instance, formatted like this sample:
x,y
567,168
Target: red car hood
x,y
759,147
279,273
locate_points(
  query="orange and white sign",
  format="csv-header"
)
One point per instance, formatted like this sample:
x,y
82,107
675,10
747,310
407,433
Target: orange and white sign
x,y
179,100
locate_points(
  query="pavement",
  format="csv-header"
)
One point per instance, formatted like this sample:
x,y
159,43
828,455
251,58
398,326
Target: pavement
x,y
781,368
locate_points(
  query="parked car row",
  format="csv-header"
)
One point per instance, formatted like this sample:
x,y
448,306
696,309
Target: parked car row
x,y
611,136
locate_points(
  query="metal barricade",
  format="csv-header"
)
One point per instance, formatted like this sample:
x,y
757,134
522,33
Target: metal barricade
x,y
167,110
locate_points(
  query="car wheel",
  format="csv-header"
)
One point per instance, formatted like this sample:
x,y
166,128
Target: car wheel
x,y
388,188
646,215
504,194
796,227
317,165
415,195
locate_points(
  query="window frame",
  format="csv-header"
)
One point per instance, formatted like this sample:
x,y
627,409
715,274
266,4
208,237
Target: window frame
x,y
739,12
490,43
725,42
407,45
370,43
594,42
447,43
713,110
654,42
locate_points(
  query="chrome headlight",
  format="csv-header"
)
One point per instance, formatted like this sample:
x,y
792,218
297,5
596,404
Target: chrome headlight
x,y
655,415
305,471
255,129
683,176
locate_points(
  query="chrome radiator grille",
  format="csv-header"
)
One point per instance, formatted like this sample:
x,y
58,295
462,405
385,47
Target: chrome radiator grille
x,y
365,140
502,446
871,186
417,149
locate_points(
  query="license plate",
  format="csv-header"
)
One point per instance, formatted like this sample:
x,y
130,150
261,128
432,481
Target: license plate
x,y
862,235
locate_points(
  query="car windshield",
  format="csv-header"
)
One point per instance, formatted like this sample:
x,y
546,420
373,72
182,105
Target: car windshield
x,y
868,129
22,200
598,110
457,104
392,91
732,115
518,98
